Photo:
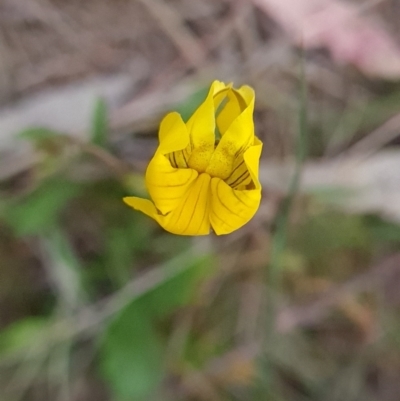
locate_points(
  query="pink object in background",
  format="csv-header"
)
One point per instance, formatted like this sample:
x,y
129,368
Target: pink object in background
x,y
339,27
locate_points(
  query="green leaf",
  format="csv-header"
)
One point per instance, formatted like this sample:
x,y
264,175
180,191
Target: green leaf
x,y
178,290
100,124
38,134
50,142
132,354
40,210
382,230
66,268
118,254
22,334
132,350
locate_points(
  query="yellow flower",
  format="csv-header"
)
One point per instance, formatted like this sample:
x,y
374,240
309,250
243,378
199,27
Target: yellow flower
x,y
197,180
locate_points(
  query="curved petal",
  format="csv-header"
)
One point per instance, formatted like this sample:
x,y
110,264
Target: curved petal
x,y
247,93
143,205
237,138
245,169
240,177
201,127
166,184
179,158
229,112
173,134
230,208
238,100
252,159
191,216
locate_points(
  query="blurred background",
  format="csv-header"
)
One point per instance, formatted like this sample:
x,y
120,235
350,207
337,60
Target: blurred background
x,y
99,303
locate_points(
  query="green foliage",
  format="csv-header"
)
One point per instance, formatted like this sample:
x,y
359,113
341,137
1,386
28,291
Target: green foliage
x,y
100,124
118,253
132,350
325,237
328,231
38,135
383,231
66,268
177,290
132,354
40,210
20,336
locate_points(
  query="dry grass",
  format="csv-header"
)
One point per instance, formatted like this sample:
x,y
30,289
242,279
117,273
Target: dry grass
x,y
301,304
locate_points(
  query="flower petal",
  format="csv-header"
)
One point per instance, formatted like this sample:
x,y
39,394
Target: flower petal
x,y
166,184
179,159
238,100
191,216
237,138
201,127
143,205
252,159
173,134
230,208
240,177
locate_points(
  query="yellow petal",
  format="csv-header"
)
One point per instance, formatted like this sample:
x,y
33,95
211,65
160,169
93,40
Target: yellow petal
x,y
201,127
166,184
173,134
252,159
238,100
230,208
230,111
179,158
240,177
191,216
143,205
238,137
